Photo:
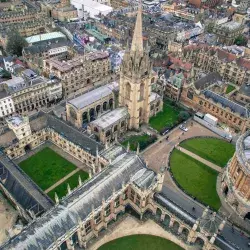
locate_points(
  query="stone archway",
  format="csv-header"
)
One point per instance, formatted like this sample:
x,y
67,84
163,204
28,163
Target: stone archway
x,y
166,220
27,148
105,106
158,214
111,102
98,109
92,114
184,234
225,190
175,227
199,242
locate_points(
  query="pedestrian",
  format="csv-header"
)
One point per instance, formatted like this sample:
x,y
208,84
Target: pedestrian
x,y
193,208
232,229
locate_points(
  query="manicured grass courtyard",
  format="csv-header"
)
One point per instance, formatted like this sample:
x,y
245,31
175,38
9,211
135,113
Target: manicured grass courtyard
x,y
140,242
143,140
168,117
61,190
46,167
214,150
230,88
197,179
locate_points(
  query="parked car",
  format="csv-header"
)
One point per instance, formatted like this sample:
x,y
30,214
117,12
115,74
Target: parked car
x,y
183,128
164,132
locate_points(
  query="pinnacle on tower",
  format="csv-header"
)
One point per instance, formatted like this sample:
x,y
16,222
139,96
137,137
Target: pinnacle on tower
x,y
137,42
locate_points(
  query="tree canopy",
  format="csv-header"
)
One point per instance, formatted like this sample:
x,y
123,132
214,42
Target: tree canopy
x,y
15,43
241,40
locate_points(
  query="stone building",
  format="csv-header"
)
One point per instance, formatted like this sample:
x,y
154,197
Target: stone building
x,y
87,107
81,72
236,178
213,59
118,4
171,85
122,182
204,95
243,95
60,10
32,92
227,33
136,79
34,55
110,126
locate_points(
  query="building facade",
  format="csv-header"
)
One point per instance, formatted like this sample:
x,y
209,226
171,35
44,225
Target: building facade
x,y
87,107
236,178
33,93
213,59
80,73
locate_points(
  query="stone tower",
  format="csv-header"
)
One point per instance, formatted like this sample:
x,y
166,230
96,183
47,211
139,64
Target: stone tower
x,y
135,78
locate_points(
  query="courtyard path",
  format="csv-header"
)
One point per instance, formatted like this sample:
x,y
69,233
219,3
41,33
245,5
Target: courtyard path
x,y
202,160
132,226
62,180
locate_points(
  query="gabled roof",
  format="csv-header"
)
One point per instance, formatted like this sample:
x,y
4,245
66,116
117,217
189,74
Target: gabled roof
x,y
126,168
207,80
91,96
226,103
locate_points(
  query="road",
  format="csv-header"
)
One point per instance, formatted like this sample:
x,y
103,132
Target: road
x,y
160,153
187,204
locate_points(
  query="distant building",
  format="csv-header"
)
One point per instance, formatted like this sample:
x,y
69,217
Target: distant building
x,y
35,54
227,32
46,37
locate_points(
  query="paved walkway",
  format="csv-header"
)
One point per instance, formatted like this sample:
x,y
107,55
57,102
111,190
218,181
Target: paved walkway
x,y
132,226
62,180
202,160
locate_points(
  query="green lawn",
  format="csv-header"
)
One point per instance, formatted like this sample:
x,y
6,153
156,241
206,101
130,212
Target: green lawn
x,y
61,190
167,117
195,178
140,242
230,88
144,141
214,150
46,167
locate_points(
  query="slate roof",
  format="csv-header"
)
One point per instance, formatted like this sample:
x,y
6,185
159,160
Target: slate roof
x,y
41,233
208,80
73,134
245,90
226,103
111,118
91,97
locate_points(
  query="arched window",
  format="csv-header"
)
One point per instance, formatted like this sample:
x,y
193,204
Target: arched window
x,y
128,90
153,80
142,86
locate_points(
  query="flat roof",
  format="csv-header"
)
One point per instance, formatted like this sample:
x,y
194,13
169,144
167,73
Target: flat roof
x,y
111,117
45,36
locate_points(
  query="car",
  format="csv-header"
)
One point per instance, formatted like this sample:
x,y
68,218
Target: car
x,y
183,128
164,132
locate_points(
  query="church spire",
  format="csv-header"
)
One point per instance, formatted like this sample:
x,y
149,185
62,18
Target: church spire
x,y
137,42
